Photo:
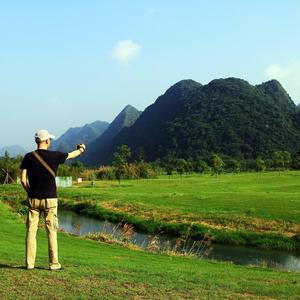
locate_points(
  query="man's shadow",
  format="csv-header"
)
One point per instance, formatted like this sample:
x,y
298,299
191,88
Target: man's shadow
x,y
6,266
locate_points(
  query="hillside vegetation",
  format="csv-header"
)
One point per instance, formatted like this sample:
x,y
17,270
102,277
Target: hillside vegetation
x,y
227,116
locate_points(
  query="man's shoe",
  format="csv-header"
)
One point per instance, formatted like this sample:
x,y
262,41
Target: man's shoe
x,y
29,269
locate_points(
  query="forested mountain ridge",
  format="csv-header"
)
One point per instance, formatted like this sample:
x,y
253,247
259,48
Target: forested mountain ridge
x,y
98,150
275,90
73,136
226,116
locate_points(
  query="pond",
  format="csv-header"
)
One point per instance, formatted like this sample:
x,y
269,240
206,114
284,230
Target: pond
x,y
74,223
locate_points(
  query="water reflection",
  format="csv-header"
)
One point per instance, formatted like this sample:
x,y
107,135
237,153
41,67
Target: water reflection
x,y
82,225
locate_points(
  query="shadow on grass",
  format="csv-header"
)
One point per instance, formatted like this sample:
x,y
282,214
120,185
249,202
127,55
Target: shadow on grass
x,y
6,266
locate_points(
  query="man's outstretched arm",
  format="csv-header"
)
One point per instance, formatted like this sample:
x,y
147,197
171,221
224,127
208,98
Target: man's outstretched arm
x,y
77,152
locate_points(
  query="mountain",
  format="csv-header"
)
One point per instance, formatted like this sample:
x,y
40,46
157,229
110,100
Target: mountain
x,y
98,150
226,116
275,90
73,136
13,150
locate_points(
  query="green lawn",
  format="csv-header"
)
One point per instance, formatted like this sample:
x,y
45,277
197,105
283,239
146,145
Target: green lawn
x,y
270,196
246,208
100,271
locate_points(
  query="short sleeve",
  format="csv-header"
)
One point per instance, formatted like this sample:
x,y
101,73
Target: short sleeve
x,y
61,157
24,164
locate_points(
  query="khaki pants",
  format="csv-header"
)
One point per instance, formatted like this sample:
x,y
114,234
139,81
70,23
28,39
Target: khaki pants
x,y
49,207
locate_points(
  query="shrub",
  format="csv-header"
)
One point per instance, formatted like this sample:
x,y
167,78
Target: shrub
x,y
105,173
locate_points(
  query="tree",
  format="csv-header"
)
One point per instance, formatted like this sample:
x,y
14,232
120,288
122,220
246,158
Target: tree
x,y
287,158
77,168
200,166
296,160
180,166
9,168
140,154
269,162
169,163
233,166
282,159
7,161
120,161
64,170
142,169
169,170
189,166
217,164
260,165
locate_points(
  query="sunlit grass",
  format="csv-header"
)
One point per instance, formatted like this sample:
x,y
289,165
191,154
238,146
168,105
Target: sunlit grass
x,y
96,270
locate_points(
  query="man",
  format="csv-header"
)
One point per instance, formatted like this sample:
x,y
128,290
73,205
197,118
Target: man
x,y
40,168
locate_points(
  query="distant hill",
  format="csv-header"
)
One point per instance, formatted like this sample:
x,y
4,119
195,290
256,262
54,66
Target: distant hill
x,y
98,150
73,136
227,116
13,150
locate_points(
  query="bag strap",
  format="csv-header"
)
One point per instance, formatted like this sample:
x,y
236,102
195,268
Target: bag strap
x,y
44,163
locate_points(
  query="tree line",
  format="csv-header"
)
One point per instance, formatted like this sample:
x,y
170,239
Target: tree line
x,y
123,168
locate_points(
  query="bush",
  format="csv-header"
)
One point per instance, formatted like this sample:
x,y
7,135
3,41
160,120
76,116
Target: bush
x,y
89,174
105,173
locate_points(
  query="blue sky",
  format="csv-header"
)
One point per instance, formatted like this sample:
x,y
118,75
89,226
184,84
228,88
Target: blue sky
x,y
67,63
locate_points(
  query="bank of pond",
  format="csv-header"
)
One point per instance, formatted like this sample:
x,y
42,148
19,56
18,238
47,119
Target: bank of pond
x,y
195,231
82,225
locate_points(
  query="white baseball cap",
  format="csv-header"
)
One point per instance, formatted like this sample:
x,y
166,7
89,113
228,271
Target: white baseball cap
x,y
43,135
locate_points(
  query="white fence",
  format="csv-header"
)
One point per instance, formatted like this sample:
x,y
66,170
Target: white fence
x,y
63,181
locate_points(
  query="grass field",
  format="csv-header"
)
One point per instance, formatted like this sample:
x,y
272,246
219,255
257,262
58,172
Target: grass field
x,y
247,208
100,271
229,197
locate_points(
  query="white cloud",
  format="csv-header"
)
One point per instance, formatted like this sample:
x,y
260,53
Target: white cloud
x,y
125,51
288,76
